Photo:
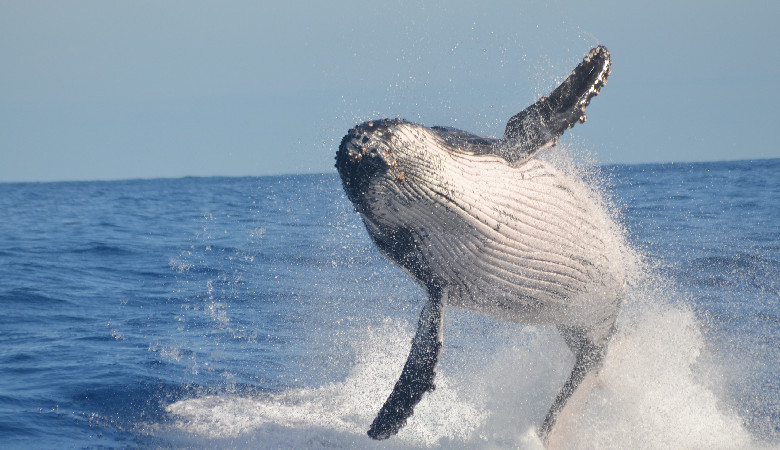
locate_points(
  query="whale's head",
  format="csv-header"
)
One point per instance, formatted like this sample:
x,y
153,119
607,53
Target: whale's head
x,y
392,172
365,160
388,165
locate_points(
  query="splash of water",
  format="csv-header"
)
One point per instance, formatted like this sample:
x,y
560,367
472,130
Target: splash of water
x,y
649,395
652,391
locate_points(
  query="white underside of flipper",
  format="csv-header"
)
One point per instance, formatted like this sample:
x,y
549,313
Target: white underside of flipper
x,y
563,433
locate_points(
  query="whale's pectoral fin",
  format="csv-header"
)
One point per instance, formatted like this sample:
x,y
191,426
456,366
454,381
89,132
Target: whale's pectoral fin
x,y
541,124
589,357
417,375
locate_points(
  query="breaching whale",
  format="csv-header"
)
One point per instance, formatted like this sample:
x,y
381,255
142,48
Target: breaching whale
x,y
482,224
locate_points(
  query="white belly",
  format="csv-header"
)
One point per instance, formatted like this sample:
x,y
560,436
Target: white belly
x,y
524,243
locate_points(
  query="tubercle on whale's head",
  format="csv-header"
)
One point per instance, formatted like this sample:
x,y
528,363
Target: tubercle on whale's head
x,y
364,158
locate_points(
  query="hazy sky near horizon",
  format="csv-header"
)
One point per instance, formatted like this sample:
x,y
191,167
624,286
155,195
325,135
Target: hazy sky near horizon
x,y
139,89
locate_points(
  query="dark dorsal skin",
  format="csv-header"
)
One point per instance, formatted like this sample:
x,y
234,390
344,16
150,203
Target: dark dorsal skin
x,y
361,164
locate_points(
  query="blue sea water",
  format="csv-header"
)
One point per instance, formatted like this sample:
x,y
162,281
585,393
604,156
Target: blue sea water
x,y
255,312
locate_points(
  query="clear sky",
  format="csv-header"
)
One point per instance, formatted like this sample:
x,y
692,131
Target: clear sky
x,y
140,89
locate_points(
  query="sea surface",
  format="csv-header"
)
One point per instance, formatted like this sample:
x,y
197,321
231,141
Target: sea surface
x,y
256,312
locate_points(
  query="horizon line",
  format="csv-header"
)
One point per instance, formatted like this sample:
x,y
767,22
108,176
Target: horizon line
x,y
333,172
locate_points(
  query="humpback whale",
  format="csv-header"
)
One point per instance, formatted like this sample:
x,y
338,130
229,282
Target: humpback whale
x,y
486,225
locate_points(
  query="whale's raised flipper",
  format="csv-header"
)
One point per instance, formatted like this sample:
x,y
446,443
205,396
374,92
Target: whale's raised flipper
x,y
417,375
541,124
588,359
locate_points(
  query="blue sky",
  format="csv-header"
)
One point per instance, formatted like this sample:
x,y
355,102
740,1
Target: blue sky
x,y
140,89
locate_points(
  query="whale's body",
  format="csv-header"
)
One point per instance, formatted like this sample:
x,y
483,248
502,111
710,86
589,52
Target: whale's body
x,y
521,242
483,224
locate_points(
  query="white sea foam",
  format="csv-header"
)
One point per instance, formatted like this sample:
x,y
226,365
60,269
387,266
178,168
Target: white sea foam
x,y
652,392
337,413
650,395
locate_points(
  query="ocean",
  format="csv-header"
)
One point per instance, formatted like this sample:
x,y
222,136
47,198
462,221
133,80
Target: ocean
x,y
257,313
